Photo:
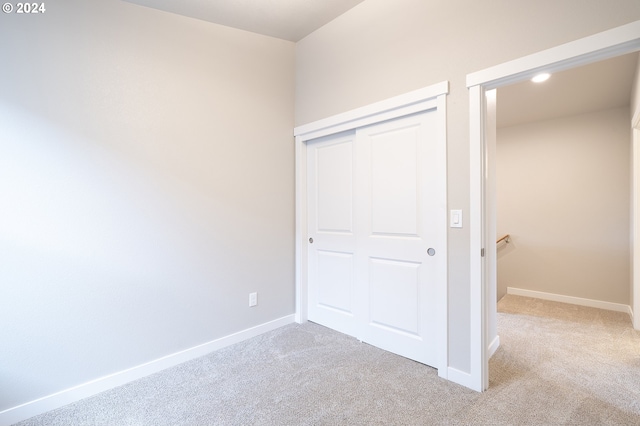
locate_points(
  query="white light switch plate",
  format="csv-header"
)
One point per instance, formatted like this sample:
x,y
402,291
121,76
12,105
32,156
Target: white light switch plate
x,y
455,219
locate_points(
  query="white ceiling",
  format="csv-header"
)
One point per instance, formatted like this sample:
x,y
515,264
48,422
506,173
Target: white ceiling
x,y
585,89
286,19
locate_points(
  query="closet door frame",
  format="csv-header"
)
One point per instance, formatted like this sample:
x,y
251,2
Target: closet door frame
x,y
426,99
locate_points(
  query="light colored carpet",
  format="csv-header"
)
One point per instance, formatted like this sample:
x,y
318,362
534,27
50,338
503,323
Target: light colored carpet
x,y
557,365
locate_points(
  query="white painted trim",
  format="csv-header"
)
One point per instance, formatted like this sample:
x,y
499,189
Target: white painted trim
x,y
493,347
442,292
617,41
635,221
460,377
84,390
432,97
604,45
301,226
635,121
572,300
398,106
477,320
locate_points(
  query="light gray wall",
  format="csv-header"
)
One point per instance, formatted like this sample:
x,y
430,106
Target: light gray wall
x,y
635,93
146,184
563,196
384,48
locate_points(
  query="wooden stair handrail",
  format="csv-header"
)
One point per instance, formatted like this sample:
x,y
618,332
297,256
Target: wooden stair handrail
x,y
504,238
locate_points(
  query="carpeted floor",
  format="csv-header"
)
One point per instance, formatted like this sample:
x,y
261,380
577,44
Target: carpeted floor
x,y
557,365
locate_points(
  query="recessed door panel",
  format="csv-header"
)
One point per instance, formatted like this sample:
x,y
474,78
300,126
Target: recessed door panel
x,y
394,184
334,186
335,281
393,295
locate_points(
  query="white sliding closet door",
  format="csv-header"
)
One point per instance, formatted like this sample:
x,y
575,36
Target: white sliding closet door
x,y
332,244
373,248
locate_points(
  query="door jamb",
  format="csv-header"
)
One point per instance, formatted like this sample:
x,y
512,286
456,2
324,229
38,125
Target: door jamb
x,y
635,219
428,98
604,45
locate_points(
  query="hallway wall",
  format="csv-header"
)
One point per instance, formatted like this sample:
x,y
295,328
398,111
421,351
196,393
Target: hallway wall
x,y
563,190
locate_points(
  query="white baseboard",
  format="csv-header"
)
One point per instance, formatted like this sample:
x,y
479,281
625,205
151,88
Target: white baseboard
x,y
635,320
493,347
609,306
76,393
462,378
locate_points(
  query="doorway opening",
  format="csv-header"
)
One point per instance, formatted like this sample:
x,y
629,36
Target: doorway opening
x,y
482,85
563,185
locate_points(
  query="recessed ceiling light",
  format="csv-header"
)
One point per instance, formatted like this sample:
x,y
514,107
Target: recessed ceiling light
x,y
541,77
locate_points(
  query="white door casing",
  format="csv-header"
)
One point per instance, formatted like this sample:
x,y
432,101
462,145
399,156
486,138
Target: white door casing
x,y
375,266
635,222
